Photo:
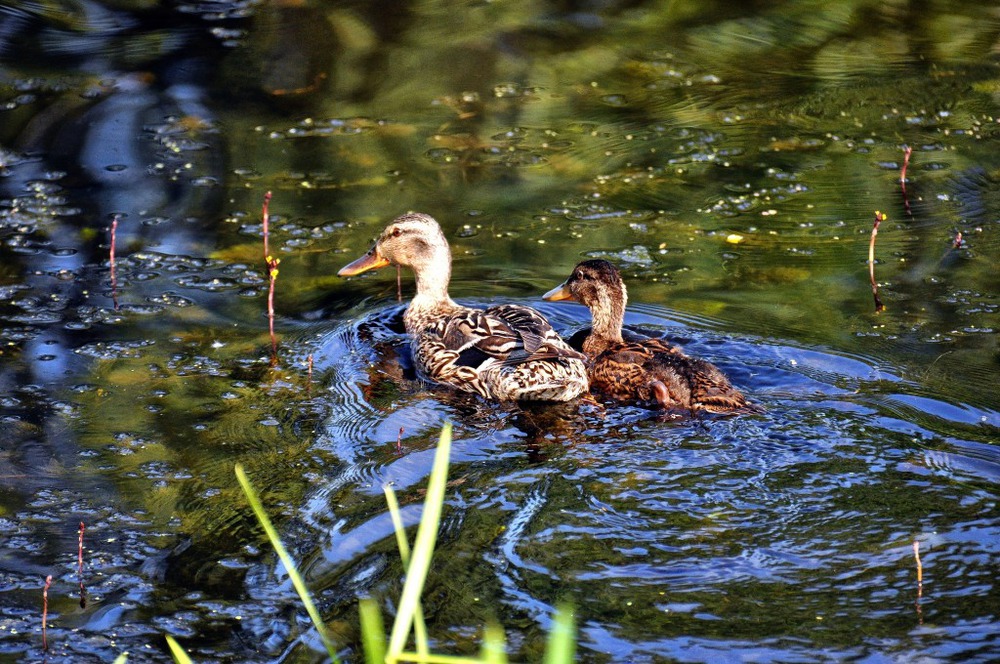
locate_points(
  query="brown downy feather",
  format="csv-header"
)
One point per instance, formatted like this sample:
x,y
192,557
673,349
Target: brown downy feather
x,y
648,371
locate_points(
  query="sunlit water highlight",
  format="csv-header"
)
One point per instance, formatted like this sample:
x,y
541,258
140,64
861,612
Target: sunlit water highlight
x,y
804,515
728,157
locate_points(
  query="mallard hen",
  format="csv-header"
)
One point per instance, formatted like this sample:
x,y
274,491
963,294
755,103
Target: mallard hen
x,y
507,352
647,371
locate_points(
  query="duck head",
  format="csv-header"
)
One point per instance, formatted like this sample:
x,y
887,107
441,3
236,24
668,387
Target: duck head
x,y
411,240
597,285
594,284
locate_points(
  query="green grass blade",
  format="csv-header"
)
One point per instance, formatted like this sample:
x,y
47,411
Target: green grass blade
x,y
372,631
180,656
561,646
423,549
419,626
287,561
433,658
494,645
397,524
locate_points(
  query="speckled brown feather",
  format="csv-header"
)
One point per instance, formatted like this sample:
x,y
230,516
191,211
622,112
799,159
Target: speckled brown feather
x,y
649,371
506,352
627,372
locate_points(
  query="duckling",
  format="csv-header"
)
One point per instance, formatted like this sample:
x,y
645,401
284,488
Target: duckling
x,y
507,352
647,371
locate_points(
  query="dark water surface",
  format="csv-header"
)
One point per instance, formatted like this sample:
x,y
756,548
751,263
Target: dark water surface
x,y
730,157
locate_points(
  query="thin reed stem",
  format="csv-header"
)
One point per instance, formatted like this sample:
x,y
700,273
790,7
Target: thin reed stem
x,y
879,218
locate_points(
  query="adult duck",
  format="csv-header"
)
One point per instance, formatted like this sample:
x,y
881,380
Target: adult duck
x,y
647,371
507,352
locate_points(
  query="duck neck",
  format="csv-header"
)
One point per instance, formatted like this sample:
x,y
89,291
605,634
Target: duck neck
x,y
433,276
608,315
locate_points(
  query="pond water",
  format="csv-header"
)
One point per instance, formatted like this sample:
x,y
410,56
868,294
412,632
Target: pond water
x,y
729,157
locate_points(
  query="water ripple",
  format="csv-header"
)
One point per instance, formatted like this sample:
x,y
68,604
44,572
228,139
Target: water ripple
x,y
639,519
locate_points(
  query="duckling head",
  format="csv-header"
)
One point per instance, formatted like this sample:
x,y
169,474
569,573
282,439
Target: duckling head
x,y
596,284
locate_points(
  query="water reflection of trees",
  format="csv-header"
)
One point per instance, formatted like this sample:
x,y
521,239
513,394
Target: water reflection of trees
x,y
542,131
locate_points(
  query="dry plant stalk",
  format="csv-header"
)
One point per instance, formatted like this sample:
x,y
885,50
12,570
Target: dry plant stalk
x,y
272,275
920,582
79,562
907,151
111,258
879,218
265,219
45,611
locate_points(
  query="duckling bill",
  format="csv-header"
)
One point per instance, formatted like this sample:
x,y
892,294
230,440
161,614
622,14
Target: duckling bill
x,y
506,352
646,371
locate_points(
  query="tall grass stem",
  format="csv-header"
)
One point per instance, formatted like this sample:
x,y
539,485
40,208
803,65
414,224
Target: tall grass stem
x,y
561,646
419,626
180,656
372,631
423,549
287,561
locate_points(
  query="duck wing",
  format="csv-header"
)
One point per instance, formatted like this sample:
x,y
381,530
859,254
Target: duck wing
x,y
538,340
653,370
706,387
712,391
506,334
654,347
629,371
479,351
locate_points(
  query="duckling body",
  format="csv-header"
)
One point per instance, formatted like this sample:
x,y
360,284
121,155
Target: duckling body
x,y
645,371
506,352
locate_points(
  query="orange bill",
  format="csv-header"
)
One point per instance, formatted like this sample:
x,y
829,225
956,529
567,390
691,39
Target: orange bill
x,y
370,261
558,293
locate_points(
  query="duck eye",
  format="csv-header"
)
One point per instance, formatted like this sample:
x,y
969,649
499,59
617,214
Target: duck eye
x,y
397,231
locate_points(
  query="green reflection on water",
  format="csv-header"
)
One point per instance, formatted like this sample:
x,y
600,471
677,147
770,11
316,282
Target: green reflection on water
x,y
651,141
648,134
